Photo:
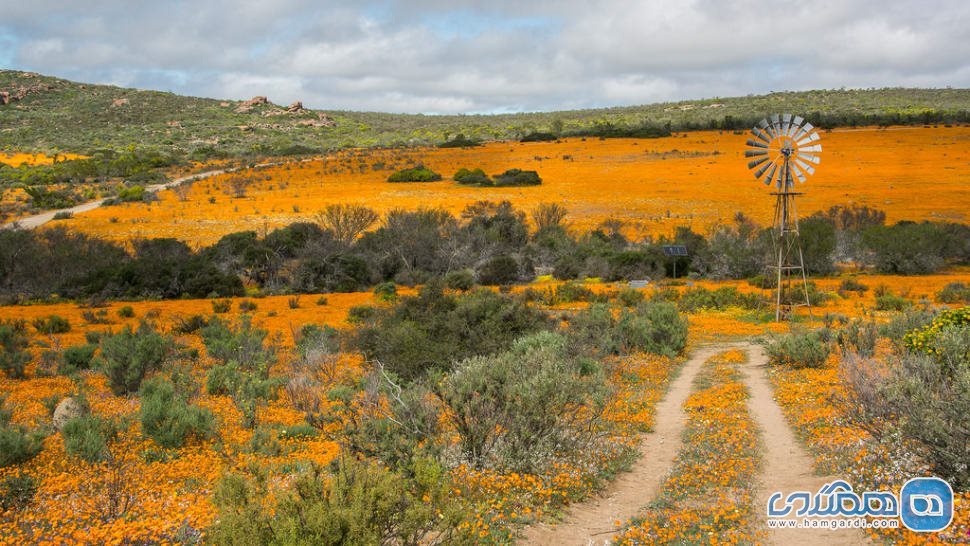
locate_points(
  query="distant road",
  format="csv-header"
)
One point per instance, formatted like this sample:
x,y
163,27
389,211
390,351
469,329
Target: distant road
x,y
37,220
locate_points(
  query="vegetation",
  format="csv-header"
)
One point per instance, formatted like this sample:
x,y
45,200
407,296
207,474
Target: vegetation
x,y
127,357
799,350
415,174
17,445
168,418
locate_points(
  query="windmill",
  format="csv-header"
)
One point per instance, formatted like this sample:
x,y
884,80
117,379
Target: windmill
x,y
785,149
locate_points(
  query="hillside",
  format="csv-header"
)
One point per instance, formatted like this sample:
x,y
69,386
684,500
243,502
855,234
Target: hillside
x,y
44,114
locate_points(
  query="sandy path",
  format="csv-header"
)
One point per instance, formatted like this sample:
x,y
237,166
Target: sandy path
x,y
593,521
787,466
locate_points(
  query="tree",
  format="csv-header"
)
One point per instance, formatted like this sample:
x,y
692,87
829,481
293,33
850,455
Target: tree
x,y
346,221
548,215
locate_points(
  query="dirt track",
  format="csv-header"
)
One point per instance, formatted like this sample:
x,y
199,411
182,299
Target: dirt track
x,y
786,466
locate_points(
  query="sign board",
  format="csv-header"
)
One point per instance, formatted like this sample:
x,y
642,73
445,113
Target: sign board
x,y
639,284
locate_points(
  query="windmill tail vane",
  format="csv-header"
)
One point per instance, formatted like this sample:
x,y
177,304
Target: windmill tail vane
x,y
785,149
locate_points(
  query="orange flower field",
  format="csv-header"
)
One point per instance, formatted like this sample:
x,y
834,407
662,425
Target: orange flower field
x,y
654,185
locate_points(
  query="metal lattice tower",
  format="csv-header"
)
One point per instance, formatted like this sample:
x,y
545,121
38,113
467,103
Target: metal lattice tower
x,y
785,149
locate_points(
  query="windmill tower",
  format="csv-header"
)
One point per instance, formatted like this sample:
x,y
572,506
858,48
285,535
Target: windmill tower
x,y
785,148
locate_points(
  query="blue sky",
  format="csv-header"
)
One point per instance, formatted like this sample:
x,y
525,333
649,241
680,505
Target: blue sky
x,y
437,56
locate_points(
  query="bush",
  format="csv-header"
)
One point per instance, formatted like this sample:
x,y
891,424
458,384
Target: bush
x,y
131,354
859,336
189,325
475,177
126,312
432,330
246,306
221,306
501,269
52,324
386,291
907,248
517,177
696,299
655,327
76,358
243,344
360,503
520,409
460,141
630,297
924,338
168,418
462,279
17,445
806,350
852,285
891,302
16,492
954,292
13,345
539,137
87,437
903,323
415,174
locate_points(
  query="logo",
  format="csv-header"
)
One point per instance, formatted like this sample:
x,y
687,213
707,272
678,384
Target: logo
x,y
922,505
926,504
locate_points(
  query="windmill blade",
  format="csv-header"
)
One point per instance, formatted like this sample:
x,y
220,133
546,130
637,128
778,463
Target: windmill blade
x,y
762,170
767,127
815,148
756,162
806,129
812,137
757,132
771,174
786,124
809,157
797,124
752,153
805,166
798,173
756,144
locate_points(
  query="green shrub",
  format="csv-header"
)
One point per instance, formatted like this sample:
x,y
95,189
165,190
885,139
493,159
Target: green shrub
x,y
190,324
931,402
954,292
859,336
360,503
132,194
539,137
903,323
243,344
246,306
630,297
475,177
386,291
517,177
126,312
891,302
415,174
221,306
462,279
52,324
696,299
432,330
87,437
16,492
520,409
653,327
13,345
852,285
501,269
798,350
460,141
131,354
168,418
76,358
923,339
17,445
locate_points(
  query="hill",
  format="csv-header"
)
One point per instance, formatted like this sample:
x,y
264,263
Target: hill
x,y
47,114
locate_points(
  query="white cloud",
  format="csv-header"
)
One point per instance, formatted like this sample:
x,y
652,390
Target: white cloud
x,y
503,55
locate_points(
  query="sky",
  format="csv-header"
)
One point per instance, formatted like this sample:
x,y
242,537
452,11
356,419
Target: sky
x,y
454,56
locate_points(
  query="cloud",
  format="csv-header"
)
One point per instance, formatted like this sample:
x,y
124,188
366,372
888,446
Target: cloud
x,y
440,56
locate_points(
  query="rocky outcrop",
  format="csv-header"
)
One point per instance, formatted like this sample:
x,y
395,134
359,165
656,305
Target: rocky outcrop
x,y
117,103
247,106
66,410
295,106
8,96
